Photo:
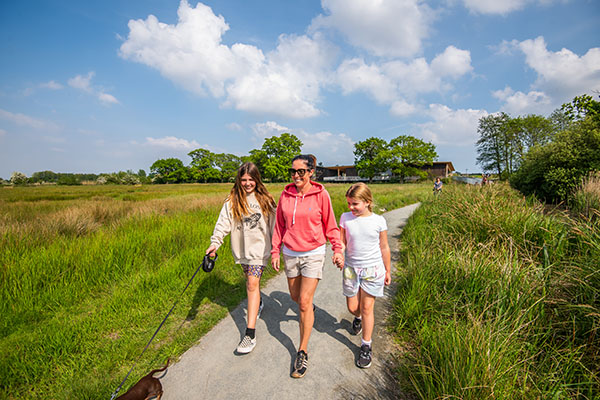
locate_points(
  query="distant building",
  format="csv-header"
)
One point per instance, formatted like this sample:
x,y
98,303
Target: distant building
x,y
348,173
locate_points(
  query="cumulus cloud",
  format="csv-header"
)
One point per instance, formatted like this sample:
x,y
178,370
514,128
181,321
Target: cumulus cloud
x,y
390,28
234,126
25,120
519,103
268,129
84,83
396,81
448,126
285,81
172,143
561,75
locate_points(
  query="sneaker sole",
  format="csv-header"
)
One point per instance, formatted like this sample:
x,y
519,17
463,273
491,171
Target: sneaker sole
x,y
246,350
297,375
363,367
358,333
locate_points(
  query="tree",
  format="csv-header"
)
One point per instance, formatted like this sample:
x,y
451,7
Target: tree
x,y
227,165
169,170
370,158
554,170
275,156
407,153
496,145
18,178
44,176
202,167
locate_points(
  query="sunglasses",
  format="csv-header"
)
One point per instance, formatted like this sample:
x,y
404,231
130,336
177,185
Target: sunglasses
x,y
300,171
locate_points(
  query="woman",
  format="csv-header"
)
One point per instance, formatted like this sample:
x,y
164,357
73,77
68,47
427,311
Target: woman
x,y
304,222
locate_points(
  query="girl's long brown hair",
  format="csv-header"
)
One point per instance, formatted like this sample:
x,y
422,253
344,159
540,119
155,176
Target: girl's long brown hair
x,y
237,196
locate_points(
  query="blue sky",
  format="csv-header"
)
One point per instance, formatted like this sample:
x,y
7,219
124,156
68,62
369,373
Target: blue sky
x,y
115,85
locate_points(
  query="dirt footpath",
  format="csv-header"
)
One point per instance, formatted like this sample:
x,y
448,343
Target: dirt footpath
x,y
212,370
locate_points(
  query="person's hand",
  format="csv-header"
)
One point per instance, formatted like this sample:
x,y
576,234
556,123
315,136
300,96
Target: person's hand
x,y
388,278
211,251
275,263
338,260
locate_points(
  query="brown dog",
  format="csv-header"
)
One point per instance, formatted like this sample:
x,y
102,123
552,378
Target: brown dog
x,y
146,388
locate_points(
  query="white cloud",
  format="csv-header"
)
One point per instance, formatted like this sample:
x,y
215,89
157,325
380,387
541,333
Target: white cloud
x,y
563,74
285,81
268,129
106,98
84,83
52,85
519,103
173,143
390,28
501,7
396,81
25,120
448,126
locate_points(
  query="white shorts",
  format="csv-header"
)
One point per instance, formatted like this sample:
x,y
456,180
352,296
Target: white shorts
x,y
370,279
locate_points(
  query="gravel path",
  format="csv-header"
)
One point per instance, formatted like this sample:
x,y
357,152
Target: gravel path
x,y
212,370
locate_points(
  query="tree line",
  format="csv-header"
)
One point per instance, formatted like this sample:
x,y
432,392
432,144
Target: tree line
x,y
544,156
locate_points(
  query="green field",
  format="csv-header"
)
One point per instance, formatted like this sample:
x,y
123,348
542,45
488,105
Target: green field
x,y
89,272
498,298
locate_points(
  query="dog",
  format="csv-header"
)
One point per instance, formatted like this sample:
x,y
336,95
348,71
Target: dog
x,y
146,388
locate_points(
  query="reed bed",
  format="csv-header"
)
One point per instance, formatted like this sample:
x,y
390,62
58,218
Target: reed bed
x,y
497,300
88,273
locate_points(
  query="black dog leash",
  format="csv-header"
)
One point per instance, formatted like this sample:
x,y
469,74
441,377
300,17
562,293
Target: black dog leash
x,y
207,265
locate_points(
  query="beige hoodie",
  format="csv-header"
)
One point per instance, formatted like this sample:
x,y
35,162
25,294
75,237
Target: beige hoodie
x,y
250,238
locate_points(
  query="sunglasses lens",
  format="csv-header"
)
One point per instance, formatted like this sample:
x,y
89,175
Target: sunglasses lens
x,y
300,172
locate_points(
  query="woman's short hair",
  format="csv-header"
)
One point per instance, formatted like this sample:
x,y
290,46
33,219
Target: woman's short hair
x,y
309,159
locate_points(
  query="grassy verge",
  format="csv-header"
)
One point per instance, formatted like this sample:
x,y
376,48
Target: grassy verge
x,y
88,273
497,300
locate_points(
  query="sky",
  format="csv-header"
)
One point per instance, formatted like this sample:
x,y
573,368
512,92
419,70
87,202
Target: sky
x,y
92,87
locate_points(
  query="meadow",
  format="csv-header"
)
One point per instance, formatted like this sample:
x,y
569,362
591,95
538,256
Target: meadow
x,y
89,272
498,298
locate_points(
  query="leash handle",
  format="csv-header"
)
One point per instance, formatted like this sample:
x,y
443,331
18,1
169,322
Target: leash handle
x,y
116,392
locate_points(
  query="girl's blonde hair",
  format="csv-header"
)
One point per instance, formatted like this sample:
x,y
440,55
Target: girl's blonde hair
x,y
362,192
237,196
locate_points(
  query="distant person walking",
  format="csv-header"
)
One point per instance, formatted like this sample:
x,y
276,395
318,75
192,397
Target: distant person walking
x,y
249,216
437,186
305,221
367,267
484,180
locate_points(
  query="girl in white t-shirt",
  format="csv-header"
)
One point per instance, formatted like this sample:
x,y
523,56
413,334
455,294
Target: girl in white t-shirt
x,y
367,263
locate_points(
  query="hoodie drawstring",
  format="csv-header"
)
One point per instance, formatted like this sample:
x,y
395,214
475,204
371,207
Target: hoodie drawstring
x,y
294,215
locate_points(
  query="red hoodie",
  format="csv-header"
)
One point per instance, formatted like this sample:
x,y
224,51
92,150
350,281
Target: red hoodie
x,y
304,221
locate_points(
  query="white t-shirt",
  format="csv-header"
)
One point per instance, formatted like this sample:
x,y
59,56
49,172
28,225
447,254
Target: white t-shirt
x,y
362,239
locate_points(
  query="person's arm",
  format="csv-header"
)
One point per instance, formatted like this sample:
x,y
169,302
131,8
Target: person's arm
x,y
278,232
340,263
386,255
332,232
222,229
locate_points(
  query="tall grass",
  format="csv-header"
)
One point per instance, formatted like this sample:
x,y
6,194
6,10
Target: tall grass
x,y
88,273
586,200
497,300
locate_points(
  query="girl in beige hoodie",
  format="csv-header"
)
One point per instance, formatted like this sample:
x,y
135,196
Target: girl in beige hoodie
x,y
248,215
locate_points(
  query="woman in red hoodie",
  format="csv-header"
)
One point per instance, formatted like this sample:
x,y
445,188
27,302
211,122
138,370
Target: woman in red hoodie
x,y
304,223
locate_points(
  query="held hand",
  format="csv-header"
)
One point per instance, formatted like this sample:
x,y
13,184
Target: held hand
x,y
338,260
211,250
275,263
388,278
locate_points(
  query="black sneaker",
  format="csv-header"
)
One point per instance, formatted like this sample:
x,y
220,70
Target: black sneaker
x,y
300,365
364,358
357,326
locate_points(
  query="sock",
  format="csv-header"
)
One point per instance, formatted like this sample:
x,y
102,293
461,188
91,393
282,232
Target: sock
x,y
250,332
363,342
358,318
